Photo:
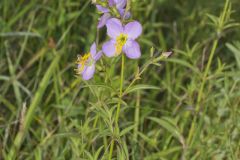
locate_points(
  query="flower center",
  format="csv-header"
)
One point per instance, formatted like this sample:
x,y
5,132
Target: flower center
x,y
81,62
121,41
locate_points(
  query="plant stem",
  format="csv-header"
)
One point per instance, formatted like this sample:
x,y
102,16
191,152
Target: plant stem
x,y
121,89
119,103
136,117
200,93
136,123
111,150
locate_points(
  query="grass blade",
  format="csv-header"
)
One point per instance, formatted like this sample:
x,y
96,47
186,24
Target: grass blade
x,y
30,113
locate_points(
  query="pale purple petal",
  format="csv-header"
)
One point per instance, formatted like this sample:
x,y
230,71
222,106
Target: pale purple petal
x,y
93,49
120,3
102,9
81,68
103,20
111,3
122,12
89,72
108,48
114,27
98,56
133,30
132,49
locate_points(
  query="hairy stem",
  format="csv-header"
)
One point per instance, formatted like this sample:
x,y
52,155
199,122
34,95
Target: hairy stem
x,y
136,117
119,103
121,88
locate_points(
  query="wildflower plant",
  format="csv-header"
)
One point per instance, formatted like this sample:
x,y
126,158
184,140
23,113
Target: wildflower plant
x,y
122,40
122,33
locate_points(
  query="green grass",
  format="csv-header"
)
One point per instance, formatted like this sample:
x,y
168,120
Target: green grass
x,y
185,107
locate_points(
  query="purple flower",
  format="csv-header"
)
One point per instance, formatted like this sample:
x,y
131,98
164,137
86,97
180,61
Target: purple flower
x,y
122,39
86,63
120,5
103,20
102,9
122,13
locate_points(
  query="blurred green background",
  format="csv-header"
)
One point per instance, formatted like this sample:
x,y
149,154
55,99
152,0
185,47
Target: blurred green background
x,y
185,107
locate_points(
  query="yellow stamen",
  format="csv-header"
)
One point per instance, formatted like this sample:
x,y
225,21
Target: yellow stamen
x,y
82,61
121,41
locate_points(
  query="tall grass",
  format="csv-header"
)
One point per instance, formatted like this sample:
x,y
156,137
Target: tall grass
x,y
182,107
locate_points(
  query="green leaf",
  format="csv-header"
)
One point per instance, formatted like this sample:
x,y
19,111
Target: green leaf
x,y
163,153
235,49
140,87
126,130
147,139
168,124
90,157
96,155
183,63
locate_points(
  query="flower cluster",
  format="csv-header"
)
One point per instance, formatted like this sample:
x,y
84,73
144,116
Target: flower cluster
x,y
122,37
